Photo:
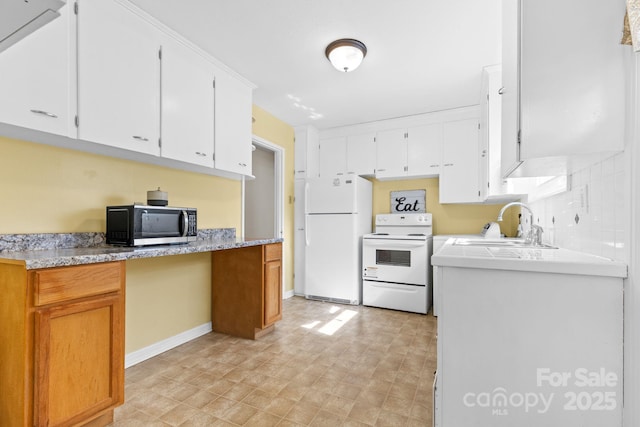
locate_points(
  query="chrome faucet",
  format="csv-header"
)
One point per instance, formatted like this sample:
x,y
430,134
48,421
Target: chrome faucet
x,y
534,235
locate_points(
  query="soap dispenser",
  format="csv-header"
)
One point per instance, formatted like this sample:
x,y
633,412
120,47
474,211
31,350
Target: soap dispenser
x,y
519,230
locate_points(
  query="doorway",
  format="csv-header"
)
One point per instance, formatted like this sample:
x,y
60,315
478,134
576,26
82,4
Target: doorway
x,y
263,195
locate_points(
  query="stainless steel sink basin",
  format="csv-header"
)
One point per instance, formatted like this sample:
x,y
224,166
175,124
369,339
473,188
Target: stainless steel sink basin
x,y
501,243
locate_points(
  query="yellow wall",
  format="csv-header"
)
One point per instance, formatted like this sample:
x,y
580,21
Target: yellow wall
x,y
447,219
48,189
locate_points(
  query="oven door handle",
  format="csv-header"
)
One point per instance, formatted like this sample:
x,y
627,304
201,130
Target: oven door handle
x,y
393,244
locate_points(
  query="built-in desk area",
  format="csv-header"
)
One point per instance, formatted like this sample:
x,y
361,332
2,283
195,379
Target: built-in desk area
x,y
62,315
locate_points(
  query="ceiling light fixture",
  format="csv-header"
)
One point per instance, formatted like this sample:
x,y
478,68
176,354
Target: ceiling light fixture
x,y
346,54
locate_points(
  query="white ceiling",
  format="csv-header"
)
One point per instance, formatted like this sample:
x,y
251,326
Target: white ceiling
x,y
423,55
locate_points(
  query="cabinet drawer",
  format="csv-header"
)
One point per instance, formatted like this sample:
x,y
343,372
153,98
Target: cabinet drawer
x,y
272,252
53,285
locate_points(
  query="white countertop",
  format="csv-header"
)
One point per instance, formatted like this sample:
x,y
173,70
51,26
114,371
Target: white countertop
x,y
457,253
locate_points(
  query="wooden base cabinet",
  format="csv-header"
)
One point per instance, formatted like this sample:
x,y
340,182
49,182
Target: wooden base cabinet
x,y
67,335
247,290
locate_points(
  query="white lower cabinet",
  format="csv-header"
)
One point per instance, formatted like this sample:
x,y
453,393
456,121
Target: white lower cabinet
x,y
526,348
118,77
459,176
37,78
299,237
188,98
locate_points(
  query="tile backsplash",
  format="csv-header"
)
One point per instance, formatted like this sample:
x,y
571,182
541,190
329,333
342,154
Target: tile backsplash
x,y
593,216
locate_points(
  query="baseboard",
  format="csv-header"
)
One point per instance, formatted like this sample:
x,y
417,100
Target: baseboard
x,y
155,349
288,294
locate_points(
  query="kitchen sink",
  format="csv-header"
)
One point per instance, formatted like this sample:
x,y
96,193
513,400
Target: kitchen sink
x,y
501,243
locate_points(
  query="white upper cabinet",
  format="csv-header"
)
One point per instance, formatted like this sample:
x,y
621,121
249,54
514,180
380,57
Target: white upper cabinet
x,y
37,78
391,156
424,150
187,94
232,124
410,152
307,151
460,159
491,182
143,88
333,156
571,78
118,77
361,154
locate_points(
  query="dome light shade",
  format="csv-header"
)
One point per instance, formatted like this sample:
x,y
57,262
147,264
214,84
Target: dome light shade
x,y
346,54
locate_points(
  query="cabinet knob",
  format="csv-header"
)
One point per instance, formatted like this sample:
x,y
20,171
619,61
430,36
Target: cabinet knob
x,y
140,138
44,113
501,90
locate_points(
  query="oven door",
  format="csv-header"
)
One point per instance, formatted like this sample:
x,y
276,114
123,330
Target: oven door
x,y
395,260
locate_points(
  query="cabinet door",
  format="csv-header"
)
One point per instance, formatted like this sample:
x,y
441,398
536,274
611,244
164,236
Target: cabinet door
x,y
232,125
118,77
333,156
391,153
79,361
424,150
272,292
459,176
572,78
299,237
36,75
187,105
272,286
510,126
306,152
300,152
361,154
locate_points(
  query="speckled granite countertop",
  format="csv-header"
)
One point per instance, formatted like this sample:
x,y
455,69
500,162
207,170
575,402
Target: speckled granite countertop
x,y
54,250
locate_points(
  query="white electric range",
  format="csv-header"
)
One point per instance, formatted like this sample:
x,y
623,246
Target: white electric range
x,y
396,267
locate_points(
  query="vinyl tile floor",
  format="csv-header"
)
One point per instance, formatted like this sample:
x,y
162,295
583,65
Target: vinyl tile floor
x,y
324,365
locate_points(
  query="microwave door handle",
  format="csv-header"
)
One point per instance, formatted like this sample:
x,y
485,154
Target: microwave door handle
x,y
185,223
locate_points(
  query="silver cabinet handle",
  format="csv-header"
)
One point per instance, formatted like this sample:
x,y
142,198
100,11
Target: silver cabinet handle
x,y
434,166
501,90
45,113
140,138
244,165
380,170
448,164
201,154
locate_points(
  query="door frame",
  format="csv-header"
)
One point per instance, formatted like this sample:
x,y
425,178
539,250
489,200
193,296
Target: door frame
x,y
278,165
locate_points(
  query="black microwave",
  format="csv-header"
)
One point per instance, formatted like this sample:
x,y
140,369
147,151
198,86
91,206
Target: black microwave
x,y
140,225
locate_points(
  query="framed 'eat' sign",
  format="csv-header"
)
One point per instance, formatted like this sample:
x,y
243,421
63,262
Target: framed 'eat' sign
x,y
409,201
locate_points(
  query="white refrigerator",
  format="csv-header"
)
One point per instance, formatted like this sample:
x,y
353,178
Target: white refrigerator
x,y
338,212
